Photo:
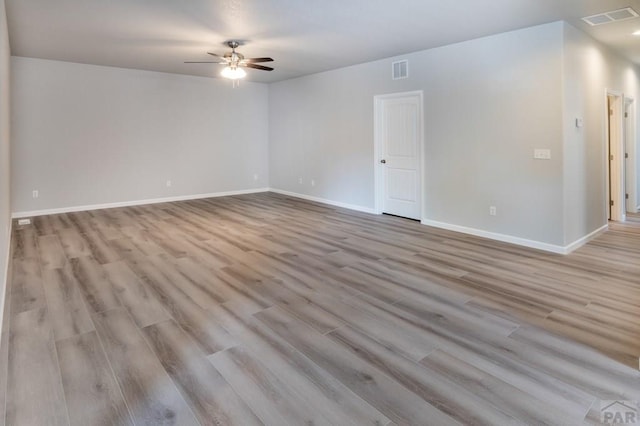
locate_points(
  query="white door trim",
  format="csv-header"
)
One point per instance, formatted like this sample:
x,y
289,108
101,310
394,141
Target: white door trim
x,y
630,145
616,175
378,148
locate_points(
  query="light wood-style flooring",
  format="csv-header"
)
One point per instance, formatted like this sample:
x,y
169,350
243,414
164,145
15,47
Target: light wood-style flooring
x,y
264,309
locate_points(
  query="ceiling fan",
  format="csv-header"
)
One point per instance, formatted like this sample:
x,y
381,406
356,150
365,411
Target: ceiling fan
x,y
234,62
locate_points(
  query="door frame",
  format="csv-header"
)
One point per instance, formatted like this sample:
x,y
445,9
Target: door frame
x,y
378,148
614,178
631,148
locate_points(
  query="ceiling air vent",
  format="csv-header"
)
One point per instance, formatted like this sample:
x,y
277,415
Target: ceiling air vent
x,y
400,69
613,16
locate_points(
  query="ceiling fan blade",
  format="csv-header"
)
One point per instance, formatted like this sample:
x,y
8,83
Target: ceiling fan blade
x,y
258,67
254,60
213,54
203,62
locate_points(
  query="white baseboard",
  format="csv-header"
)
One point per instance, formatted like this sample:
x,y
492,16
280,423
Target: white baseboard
x,y
18,215
516,240
324,201
584,240
451,227
4,281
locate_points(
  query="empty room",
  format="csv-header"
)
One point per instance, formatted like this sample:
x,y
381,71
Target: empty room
x,y
239,212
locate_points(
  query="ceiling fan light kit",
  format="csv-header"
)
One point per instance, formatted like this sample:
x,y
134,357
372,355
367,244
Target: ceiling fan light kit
x,y
235,62
233,73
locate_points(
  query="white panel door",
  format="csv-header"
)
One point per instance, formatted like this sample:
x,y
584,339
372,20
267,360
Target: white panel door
x,y
401,143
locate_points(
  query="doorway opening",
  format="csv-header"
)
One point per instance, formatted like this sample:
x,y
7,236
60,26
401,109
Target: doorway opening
x,y
398,154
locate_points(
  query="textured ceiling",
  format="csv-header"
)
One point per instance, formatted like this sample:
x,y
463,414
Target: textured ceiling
x,y
303,36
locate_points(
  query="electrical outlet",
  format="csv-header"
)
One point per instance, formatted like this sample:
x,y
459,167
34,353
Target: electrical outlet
x,y
300,181
168,184
255,176
313,182
542,154
35,193
493,211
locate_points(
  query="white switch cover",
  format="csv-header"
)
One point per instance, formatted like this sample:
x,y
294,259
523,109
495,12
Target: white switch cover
x,y
579,122
542,154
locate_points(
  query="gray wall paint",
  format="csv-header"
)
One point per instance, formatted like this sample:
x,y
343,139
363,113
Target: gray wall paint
x,y
589,69
5,202
85,134
488,103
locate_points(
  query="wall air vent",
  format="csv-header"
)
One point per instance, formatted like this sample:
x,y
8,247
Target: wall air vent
x,y
613,16
400,69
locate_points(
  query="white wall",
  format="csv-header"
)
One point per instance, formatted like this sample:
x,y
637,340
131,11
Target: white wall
x,y
84,135
589,70
488,103
5,202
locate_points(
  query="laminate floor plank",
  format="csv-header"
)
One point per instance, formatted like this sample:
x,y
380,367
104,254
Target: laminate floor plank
x,y
50,224
591,370
620,346
51,254
301,307
391,332
81,221
135,240
206,275
522,406
96,288
148,391
312,314
34,389
208,254
189,315
199,292
341,405
99,248
208,394
73,244
141,303
67,309
462,315
26,287
393,400
488,351
92,394
409,284
269,397
447,396
24,246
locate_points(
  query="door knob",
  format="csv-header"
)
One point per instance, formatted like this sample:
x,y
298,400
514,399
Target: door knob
x,y
383,161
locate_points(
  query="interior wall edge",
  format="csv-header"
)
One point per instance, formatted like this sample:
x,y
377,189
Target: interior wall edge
x,y
18,215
